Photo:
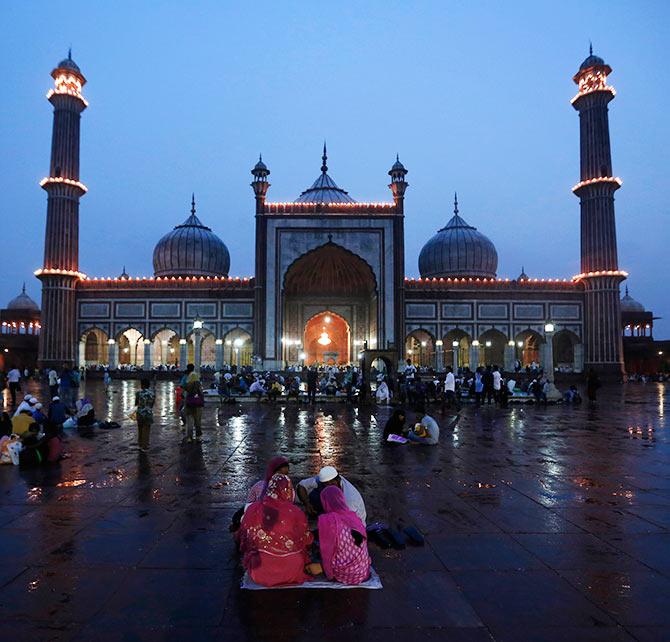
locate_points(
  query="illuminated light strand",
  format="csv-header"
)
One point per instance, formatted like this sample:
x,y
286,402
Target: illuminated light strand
x,y
590,90
67,181
301,205
244,280
59,272
587,275
599,179
64,91
485,281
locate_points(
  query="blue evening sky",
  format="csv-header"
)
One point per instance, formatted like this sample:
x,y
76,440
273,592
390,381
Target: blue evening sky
x,y
474,96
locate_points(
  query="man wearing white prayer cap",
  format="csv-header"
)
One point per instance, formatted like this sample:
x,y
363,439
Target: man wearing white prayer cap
x,y
28,403
309,491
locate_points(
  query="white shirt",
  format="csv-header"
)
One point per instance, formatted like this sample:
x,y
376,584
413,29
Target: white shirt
x,y
511,384
256,386
351,494
433,429
13,376
24,405
410,371
53,377
450,382
497,378
382,391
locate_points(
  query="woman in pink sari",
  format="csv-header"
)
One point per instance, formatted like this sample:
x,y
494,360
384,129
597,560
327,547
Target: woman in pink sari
x,y
274,538
342,540
275,465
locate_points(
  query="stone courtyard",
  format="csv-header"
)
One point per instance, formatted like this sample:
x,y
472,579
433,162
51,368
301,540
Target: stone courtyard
x,y
541,523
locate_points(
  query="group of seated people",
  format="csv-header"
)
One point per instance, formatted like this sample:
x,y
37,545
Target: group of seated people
x,y
31,437
274,538
425,431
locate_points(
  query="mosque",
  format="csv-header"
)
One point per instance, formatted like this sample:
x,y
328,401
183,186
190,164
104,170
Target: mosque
x,y
329,280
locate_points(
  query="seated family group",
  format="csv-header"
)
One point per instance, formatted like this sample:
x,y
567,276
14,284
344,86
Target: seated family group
x,y
276,543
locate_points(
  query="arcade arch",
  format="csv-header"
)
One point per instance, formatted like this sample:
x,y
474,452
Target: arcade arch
x,y
420,348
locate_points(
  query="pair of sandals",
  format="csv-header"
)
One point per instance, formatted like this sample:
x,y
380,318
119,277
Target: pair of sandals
x,y
386,537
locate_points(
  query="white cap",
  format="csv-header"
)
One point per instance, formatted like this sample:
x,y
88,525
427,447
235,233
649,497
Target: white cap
x,y
32,401
327,473
38,406
56,398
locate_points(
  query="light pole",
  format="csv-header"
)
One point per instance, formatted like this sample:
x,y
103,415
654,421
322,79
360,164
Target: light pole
x,y
197,359
439,355
112,353
238,343
147,355
183,354
548,364
455,347
474,355
219,354
509,356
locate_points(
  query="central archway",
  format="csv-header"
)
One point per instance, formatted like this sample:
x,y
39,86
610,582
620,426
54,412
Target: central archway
x,y
327,339
328,281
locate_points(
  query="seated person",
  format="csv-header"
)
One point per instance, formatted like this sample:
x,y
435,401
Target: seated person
x,y
5,425
57,414
511,384
274,538
28,403
382,393
85,412
275,391
342,541
38,415
396,423
427,432
23,424
257,388
277,464
294,388
309,491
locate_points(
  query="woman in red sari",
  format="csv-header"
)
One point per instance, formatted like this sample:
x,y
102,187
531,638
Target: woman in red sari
x,y
342,541
274,538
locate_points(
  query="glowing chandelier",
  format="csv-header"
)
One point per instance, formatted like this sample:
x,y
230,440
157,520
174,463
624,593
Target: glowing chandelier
x,y
324,339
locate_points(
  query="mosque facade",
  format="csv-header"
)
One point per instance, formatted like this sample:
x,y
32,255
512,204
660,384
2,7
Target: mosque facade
x,y
329,280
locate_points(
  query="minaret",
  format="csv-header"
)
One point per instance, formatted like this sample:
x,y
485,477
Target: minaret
x,y
60,272
600,272
260,185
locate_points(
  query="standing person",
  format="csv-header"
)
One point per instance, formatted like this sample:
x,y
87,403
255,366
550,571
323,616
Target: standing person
x,y
382,394
312,377
144,400
450,388
497,383
107,380
53,382
487,380
193,402
342,541
592,384
478,386
66,386
14,380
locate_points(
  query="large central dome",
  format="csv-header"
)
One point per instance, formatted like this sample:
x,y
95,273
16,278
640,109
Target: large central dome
x,y
191,249
458,250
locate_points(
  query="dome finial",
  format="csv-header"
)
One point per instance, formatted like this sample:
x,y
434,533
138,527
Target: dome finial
x,y
590,48
69,53
455,203
324,158
193,203
23,290
626,290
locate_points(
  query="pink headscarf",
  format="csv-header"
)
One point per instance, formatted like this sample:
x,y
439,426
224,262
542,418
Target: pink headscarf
x,y
258,490
274,525
337,513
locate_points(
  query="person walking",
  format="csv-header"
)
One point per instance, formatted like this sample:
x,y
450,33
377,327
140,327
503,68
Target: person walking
x,y
144,400
450,390
53,382
497,384
193,403
312,377
14,381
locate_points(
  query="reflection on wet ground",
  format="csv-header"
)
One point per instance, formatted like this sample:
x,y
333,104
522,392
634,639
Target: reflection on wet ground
x,y
541,524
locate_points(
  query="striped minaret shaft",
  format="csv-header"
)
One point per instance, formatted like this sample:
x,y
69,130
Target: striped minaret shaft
x,y
599,262
59,274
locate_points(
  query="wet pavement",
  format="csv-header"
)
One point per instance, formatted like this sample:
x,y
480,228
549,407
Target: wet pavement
x,y
541,524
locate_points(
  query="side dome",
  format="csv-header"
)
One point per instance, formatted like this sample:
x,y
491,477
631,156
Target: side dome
x,y
458,250
191,249
629,304
23,302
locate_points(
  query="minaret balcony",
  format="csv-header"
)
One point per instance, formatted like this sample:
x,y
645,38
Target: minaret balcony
x,y
612,182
